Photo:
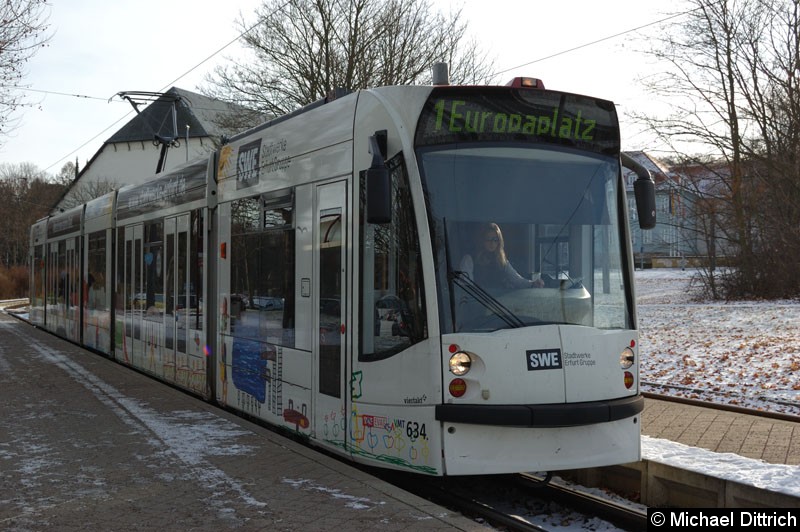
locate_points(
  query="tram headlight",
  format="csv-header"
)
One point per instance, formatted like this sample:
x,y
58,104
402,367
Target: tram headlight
x,y
460,363
626,358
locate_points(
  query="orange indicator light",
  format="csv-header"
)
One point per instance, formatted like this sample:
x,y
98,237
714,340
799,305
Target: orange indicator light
x,y
628,379
458,387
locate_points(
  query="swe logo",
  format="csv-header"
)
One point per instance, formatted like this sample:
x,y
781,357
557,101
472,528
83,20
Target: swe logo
x,y
543,359
247,164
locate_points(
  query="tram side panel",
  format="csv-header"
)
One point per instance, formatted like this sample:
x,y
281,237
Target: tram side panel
x,y
96,275
396,376
264,350
64,273
38,273
159,303
269,307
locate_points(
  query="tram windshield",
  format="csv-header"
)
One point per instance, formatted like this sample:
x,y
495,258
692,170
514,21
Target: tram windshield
x,y
525,235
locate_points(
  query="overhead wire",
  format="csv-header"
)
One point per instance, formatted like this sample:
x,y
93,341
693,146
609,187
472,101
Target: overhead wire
x,y
280,8
172,83
598,41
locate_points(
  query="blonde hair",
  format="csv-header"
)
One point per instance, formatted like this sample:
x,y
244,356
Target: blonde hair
x,y
500,253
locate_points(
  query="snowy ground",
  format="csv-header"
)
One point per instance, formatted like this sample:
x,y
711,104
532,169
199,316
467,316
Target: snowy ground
x,y
742,353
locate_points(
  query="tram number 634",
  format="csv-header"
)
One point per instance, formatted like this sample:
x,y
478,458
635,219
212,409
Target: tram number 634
x,y
414,431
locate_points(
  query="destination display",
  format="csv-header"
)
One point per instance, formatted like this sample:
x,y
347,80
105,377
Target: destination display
x,y
464,114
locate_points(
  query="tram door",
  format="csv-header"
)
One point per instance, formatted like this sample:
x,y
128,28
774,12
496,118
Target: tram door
x,y
72,289
329,412
135,298
176,298
55,289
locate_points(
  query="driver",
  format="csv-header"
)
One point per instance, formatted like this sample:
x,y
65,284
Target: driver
x,y
490,268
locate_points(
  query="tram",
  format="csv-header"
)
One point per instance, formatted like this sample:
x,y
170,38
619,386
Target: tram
x,y
327,272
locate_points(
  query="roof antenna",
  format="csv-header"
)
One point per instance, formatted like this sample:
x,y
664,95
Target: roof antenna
x,y
440,74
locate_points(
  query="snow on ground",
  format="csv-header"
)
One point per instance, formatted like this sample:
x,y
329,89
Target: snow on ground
x,y
778,478
744,353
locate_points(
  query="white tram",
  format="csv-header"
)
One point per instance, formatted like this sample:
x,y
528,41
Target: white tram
x,y
312,273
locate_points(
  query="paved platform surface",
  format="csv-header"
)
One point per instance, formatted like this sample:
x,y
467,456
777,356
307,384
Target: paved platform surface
x,y
775,441
86,444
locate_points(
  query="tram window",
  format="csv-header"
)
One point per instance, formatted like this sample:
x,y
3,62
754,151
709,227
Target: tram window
x,y
153,301
73,269
119,271
119,290
63,273
196,266
38,276
262,259
393,315
96,272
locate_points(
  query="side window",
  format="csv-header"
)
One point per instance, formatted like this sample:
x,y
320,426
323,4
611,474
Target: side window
x,y
152,300
63,273
196,265
393,314
263,269
96,271
38,276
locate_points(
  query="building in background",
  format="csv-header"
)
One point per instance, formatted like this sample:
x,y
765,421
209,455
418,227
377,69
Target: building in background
x,y
191,123
676,240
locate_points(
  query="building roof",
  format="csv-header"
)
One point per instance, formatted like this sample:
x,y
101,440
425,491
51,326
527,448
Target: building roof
x,y
658,171
201,113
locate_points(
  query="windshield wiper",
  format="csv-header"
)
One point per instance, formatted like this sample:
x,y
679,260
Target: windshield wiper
x,y
484,298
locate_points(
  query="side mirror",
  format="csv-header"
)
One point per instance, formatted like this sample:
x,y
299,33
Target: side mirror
x,y
644,190
378,183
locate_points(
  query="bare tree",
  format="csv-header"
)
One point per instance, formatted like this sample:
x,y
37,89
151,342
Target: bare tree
x,y
22,33
77,192
27,196
303,49
68,174
734,69
85,191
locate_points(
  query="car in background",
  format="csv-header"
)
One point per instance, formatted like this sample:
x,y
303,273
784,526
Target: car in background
x,y
266,303
389,307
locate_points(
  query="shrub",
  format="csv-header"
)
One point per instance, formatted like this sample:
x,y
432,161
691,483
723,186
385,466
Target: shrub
x,y
13,282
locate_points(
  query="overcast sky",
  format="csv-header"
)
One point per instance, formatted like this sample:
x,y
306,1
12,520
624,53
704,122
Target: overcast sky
x,y
102,47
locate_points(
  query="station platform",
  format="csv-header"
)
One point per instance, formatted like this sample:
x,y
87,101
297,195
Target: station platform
x,y
775,440
86,444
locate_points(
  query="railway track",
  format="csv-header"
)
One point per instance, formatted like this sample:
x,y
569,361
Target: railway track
x,y
719,405
523,502
622,515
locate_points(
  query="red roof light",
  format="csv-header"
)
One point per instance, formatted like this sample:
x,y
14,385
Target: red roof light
x,y
528,83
